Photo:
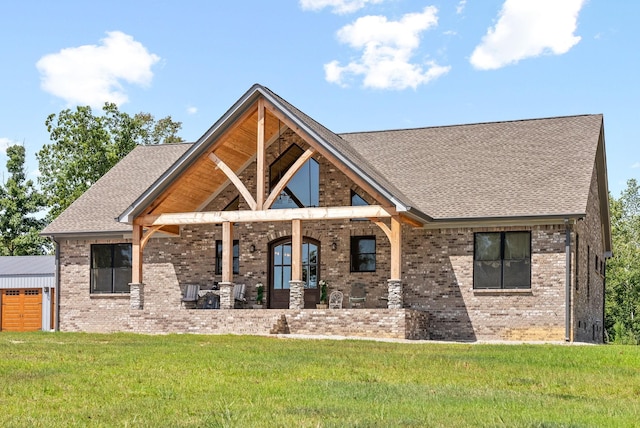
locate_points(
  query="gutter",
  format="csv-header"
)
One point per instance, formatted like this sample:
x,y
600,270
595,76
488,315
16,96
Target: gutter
x,y
567,297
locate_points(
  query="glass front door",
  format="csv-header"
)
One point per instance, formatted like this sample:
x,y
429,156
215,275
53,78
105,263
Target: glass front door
x,y
280,273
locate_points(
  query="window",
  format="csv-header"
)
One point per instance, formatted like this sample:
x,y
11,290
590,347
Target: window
x,y
282,265
357,201
502,260
303,190
363,254
110,268
236,257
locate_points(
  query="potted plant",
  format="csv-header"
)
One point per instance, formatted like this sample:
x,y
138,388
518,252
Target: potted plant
x,y
259,296
323,295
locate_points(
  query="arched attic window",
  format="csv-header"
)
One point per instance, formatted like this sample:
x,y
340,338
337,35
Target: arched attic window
x,y
304,188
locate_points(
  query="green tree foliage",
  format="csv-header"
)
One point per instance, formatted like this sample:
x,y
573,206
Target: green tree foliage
x,y
19,201
85,146
622,304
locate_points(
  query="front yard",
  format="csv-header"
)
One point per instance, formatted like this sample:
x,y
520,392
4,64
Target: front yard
x,y
59,379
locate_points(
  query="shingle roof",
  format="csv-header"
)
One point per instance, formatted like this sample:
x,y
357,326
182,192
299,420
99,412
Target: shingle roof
x,y
537,167
27,265
533,167
96,210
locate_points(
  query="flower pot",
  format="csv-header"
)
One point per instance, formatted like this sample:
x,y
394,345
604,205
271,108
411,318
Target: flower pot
x,y
321,306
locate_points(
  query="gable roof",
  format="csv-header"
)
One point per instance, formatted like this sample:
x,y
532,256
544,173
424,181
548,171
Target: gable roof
x,y
525,168
539,167
323,137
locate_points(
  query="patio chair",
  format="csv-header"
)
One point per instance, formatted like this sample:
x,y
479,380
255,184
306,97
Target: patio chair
x,y
358,294
239,301
190,295
335,300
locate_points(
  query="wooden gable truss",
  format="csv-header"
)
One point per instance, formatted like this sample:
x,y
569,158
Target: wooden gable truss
x,y
241,144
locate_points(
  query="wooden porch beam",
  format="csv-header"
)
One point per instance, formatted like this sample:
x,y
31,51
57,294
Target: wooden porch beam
x,y
246,216
234,179
286,178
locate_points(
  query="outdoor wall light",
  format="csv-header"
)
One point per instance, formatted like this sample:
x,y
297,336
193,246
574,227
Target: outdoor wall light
x,y
252,248
334,246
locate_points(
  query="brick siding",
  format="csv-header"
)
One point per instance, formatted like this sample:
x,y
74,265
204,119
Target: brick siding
x,y
439,299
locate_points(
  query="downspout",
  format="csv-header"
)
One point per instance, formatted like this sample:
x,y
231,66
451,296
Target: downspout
x,y
604,293
57,311
567,303
607,256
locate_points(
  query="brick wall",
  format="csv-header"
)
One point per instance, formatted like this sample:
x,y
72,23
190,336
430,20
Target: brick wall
x,y
437,279
588,285
438,276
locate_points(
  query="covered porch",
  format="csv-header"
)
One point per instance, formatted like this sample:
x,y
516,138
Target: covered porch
x,y
248,153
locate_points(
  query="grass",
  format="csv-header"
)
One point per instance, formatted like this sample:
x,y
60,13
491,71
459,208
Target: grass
x,y
123,380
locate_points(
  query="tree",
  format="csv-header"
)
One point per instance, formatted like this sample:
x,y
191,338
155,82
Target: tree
x,y
622,305
85,146
19,201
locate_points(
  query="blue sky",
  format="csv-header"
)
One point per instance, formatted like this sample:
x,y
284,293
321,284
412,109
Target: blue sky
x,y
353,65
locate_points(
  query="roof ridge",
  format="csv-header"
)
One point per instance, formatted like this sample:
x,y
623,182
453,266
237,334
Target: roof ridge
x,y
471,124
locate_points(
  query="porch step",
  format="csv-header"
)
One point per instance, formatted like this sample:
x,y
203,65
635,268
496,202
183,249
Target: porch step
x,y
280,327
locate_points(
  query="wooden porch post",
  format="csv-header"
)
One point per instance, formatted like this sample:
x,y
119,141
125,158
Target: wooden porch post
x,y
296,285
226,285
136,287
395,282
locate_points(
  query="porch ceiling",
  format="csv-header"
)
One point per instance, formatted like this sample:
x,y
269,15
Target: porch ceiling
x,y
236,148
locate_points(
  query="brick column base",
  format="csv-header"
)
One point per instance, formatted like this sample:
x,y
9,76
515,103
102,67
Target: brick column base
x,y
226,295
395,293
136,295
296,294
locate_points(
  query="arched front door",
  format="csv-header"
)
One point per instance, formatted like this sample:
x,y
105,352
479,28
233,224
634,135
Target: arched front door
x,y
280,272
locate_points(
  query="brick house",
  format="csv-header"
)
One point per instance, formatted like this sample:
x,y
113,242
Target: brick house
x,y
489,231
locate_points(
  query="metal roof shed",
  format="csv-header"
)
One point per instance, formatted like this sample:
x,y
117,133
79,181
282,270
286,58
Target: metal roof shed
x,y
28,273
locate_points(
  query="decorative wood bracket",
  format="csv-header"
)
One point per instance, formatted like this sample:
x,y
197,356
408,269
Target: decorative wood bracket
x,y
235,180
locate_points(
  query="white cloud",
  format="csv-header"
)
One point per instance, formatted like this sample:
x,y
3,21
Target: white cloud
x,y
527,29
339,7
192,110
387,48
93,74
460,6
636,165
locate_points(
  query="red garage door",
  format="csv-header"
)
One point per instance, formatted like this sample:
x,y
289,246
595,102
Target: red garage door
x,y
22,310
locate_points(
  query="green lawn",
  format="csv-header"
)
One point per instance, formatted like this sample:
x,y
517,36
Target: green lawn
x,y
57,379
